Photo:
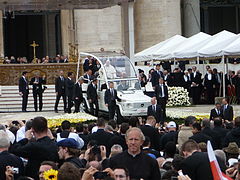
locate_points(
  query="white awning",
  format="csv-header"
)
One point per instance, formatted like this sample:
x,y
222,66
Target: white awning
x,y
191,46
233,48
217,44
147,54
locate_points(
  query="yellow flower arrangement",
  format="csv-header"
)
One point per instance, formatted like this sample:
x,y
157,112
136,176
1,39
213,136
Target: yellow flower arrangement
x,y
72,118
50,174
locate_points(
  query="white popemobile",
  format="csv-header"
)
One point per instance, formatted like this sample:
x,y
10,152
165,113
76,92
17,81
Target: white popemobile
x,y
117,68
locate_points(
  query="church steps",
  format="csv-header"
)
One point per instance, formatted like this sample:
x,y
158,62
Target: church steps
x,y
11,101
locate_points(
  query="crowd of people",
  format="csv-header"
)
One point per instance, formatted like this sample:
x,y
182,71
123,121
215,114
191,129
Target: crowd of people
x,y
134,149
202,88
23,60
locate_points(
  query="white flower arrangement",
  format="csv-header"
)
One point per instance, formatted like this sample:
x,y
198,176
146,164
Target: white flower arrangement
x,y
178,96
174,113
55,121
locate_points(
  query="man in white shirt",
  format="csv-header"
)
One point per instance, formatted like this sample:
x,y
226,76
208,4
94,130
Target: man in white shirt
x,y
66,133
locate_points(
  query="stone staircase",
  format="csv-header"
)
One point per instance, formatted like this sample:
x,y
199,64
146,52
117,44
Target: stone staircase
x,y
11,101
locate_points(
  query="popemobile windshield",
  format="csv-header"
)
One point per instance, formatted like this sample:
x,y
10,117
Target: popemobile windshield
x,y
117,68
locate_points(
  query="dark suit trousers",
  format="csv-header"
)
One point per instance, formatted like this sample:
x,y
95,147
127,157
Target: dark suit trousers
x,y
39,95
92,108
210,95
24,101
69,103
77,103
162,102
58,97
195,94
112,109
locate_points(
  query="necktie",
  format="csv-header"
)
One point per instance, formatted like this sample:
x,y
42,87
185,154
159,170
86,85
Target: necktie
x,y
153,107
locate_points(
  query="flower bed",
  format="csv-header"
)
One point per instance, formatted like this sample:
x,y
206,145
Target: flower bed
x,y
178,96
55,121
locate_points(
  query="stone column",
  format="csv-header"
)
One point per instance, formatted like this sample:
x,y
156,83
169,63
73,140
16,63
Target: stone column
x,y
99,28
191,17
155,21
66,29
1,35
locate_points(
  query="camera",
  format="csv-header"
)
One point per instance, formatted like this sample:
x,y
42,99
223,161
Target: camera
x,y
100,175
15,170
96,150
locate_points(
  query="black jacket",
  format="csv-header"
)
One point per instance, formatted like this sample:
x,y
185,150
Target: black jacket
x,y
103,138
170,136
60,85
77,91
23,85
197,79
155,77
228,113
214,114
43,149
69,87
92,92
158,91
209,83
118,139
139,166
76,162
197,166
8,159
157,114
220,133
88,78
108,98
232,136
37,87
201,137
153,134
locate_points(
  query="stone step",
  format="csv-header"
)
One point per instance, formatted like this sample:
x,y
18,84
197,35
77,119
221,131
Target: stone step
x,y
11,101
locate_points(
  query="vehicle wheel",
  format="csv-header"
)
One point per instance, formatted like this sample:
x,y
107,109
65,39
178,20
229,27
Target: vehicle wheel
x,y
118,117
83,107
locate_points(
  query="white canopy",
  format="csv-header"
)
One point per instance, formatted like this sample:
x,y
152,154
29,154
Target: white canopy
x,y
147,54
233,48
190,47
217,44
165,52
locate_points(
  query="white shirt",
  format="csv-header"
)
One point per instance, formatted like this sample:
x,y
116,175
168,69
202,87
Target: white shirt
x,y
217,111
111,71
74,136
20,134
162,87
185,78
194,74
209,76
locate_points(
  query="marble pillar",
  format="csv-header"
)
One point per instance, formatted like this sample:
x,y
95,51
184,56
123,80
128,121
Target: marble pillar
x,y
1,36
191,17
155,21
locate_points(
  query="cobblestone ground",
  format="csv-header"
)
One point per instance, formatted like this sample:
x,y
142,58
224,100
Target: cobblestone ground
x,y
7,117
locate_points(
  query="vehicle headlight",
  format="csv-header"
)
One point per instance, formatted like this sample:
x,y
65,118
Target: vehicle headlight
x,y
129,105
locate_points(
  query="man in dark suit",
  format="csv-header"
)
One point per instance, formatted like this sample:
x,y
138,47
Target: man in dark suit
x,y
88,76
69,91
186,83
216,112
209,85
37,83
198,136
92,97
102,137
161,92
227,110
196,85
155,110
150,131
110,100
60,87
196,165
156,75
23,90
78,96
